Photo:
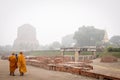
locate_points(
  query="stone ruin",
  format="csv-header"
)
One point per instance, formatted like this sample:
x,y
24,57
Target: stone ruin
x,y
109,58
26,39
65,64
58,63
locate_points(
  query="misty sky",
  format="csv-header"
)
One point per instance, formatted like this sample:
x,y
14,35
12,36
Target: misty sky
x,y
54,19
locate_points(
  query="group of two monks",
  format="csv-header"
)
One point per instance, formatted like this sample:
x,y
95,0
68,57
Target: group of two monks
x,y
17,62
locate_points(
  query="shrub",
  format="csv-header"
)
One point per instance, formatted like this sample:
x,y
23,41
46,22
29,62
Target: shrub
x,y
110,49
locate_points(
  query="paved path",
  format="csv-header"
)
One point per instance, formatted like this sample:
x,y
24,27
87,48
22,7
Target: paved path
x,y
35,73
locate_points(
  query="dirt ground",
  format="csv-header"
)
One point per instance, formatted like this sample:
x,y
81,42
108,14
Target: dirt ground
x,y
115,65
35,73
110,69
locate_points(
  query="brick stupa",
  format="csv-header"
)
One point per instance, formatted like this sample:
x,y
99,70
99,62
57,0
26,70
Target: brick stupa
x,y
26,39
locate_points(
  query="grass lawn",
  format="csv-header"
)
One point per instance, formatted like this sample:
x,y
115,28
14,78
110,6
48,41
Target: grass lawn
x,y
57,52
116,54
54,53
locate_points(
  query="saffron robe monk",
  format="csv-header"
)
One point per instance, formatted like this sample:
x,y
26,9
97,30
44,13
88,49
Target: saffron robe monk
x,y
12,64
22,64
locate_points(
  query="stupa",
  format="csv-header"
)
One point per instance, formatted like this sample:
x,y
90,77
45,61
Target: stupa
x,y
26,39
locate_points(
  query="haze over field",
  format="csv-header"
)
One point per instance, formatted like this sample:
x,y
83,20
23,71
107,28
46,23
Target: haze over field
x,y
54,19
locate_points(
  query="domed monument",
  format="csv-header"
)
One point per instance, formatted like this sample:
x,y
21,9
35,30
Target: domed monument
x,y
26,39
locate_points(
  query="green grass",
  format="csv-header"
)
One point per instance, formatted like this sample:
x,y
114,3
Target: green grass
x,y
116,54
45,53
54,53
57,52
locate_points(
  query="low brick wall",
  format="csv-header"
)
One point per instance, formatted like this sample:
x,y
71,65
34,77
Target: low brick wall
x,y
78,68
109,58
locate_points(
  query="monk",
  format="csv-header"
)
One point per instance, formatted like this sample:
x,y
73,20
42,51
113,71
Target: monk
x,y
22,64
13,64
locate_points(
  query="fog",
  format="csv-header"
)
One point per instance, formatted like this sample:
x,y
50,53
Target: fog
x,y
54,19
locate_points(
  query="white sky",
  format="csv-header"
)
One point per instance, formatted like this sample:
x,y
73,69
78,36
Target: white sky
x,y
54,19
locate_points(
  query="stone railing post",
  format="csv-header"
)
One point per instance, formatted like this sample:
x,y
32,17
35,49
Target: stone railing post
x,y
77,52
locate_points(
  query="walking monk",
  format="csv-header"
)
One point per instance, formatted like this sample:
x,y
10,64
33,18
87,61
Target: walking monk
x,y
12,64
22,64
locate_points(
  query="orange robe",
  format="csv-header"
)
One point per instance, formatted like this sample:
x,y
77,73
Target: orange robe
x,y
22,63
13,63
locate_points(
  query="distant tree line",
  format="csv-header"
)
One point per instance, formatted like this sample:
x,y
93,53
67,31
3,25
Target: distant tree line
x,y
111,49
84,36
5,49
89,36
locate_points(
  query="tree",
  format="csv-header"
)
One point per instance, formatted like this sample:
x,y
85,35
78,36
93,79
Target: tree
x,y
68,41
55,45
88,36
115,40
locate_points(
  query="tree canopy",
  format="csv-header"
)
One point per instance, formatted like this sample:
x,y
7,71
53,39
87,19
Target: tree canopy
x,y
115,40
68,41
88,36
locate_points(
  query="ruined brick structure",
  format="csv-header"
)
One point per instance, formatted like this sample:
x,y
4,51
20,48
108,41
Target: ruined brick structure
x,y
109,58
26,38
